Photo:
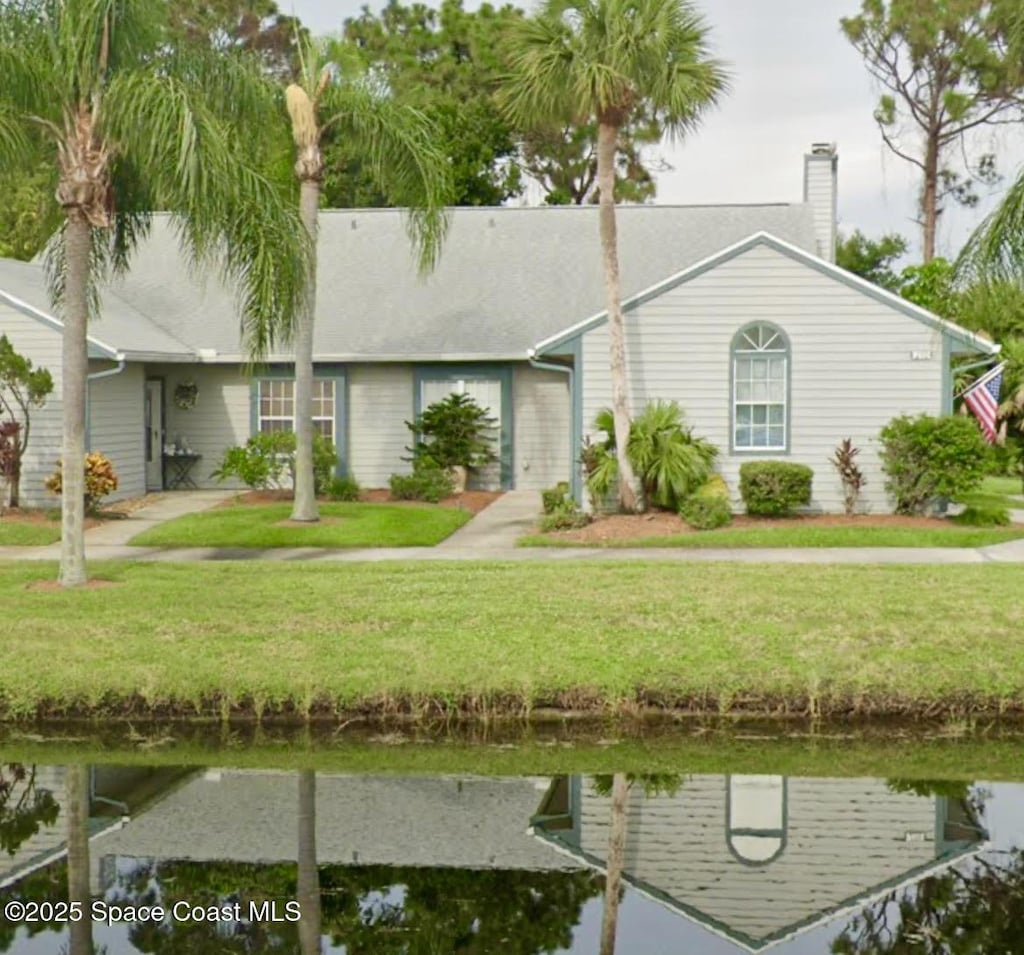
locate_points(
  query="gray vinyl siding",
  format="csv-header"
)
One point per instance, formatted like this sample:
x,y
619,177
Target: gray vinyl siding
x,y
844,838
219,420
117,428
380,402
541,407
42,345
49,839
851,363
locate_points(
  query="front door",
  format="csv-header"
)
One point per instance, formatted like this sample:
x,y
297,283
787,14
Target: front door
x,y
154,412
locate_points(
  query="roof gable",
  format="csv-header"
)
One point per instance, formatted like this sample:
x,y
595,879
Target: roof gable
x,y
968,340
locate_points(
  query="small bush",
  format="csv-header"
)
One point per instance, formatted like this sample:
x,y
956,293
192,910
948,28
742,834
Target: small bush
x,y
454,432
983,516
343,489
426,483
927,458
565,517
708,507
100,479
267,461
774,488
553,498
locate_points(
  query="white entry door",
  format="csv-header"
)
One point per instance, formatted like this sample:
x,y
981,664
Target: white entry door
x,y
486,392
154,418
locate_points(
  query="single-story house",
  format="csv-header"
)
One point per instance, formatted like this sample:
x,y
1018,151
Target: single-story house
x,y
737,312
760,860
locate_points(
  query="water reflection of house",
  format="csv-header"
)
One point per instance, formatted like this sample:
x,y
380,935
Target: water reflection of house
x,y
252,816
114,793
759,859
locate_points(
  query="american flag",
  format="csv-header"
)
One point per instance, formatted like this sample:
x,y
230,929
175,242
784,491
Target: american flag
x,y
983,400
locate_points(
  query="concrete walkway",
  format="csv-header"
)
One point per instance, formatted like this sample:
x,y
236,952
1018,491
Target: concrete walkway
x,y
490,535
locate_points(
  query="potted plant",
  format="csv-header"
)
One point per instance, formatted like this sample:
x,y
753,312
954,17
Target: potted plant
x,y
454,434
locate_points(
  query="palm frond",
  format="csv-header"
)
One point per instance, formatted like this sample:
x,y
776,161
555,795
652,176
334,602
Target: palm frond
x,y
995,250
400,150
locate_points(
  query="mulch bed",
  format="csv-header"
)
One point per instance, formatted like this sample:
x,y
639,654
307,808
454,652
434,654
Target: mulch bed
x,y
472,501
665,523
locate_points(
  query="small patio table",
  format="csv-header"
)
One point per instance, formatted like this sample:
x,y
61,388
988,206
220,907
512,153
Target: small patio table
x,y
178,470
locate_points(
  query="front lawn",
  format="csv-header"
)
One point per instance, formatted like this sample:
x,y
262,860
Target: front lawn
x,y
22,533
340,525
779,533
490,638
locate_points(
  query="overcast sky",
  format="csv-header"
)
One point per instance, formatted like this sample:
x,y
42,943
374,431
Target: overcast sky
x,y
796,80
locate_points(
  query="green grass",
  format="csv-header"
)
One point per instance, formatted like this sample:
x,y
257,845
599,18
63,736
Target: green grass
x,y
28,534
795,534
497,638
341,525
925,753
996,492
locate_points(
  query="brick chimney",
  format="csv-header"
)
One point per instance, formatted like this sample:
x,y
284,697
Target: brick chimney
x,y
820,194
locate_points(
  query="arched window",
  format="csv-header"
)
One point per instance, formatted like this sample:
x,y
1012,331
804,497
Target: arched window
x,y
760,389
756,818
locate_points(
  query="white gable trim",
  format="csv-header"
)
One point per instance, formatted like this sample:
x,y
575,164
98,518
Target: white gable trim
x,y
56,324
976,342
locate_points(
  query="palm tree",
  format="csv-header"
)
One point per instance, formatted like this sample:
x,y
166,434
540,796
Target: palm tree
x,y
613,61
308,885
615,863
131,125
397,147
77,793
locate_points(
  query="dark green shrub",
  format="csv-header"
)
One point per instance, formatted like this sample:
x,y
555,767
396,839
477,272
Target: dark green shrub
x,y
982,515
668,460
774,488
343,489
426,483
565,517
453,432
708,507
267,460
553,498
926,459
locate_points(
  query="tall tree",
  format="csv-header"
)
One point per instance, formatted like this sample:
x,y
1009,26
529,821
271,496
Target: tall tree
x,y
945,69
611,62
871,259
615,863
77,795
307,889
131,126
398,149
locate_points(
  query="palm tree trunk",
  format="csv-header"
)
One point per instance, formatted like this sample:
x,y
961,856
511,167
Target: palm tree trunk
x,y
616,859
74,369
308,889
607,138
80,931
304,507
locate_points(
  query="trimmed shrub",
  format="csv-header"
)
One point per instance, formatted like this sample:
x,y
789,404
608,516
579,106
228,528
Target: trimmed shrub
x,y
100,479
553,498
709,506
983,516
426,483
774,488
343,489
926,459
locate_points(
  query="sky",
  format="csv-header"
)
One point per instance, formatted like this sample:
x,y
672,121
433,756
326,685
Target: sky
x,y
796,81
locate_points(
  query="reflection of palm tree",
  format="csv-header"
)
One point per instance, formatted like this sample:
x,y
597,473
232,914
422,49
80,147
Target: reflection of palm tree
x,y
616,858
80,931
309,877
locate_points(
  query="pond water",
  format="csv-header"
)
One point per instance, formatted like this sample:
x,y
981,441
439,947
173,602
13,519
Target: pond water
x,y
169,859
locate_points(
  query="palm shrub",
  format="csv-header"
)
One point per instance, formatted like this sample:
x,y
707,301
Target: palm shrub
x,y
670,462
926,459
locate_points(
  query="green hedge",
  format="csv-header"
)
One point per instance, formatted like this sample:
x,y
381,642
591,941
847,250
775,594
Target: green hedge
x,y
774,488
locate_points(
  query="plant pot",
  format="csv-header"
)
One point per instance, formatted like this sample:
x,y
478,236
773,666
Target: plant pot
x,y
459,476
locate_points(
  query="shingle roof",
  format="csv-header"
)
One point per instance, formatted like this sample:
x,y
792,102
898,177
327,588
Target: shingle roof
x,y
507,278
120,328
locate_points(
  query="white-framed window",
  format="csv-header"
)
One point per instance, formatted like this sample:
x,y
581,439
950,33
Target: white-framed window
x,y
760,389
276,402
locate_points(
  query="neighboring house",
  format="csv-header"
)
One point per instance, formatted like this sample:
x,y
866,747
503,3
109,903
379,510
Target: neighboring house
x,y
761,859
737,312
